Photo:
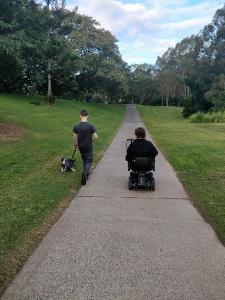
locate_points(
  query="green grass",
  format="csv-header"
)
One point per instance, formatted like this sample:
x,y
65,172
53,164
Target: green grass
x,y
32,187
197,152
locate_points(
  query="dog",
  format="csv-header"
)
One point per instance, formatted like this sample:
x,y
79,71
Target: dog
x,y
67,165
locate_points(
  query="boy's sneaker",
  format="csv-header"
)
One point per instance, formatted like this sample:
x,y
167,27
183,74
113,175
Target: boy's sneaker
x,y
83,178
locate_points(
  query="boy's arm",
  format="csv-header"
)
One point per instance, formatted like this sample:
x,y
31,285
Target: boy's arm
x,y
94,136
94,133
75,139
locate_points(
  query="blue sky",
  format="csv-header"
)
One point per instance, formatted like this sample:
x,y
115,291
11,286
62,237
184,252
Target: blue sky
x,y
146,28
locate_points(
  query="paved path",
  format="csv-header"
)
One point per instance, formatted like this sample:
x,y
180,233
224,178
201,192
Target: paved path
x,y
112,243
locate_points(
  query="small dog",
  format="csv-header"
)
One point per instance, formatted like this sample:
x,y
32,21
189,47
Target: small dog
x,y
67,165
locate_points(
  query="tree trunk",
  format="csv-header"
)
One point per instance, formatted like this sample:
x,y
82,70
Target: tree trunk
x,y
142,100
167,101
49,94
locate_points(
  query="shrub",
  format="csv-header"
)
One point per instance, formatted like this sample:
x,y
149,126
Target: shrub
x,y
35,102
211,117
98,97
189,106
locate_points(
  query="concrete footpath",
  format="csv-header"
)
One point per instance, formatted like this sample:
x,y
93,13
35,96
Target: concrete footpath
x,y
112,243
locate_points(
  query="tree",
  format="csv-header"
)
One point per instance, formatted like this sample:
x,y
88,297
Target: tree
x,y
13,41
216,94
190,70
59,26
46,47
102,69
141,83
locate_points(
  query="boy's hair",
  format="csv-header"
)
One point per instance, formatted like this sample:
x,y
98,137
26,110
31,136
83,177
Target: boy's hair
x,y
84,113
140,132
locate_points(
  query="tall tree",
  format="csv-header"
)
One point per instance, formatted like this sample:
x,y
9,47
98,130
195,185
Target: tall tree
x,y
102,69
12,43
141,83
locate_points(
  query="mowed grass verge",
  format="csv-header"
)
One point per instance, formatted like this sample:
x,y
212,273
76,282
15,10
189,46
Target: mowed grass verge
x,y
33,192
197,152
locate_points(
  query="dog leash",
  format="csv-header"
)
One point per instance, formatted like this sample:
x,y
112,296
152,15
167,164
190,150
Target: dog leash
x,y
74,153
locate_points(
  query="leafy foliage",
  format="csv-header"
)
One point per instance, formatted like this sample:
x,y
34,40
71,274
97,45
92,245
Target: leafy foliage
x,y
142,85
47,49
45,46
210,117
193,71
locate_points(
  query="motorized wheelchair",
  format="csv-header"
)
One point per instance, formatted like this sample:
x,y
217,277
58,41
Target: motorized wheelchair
x,y
141,172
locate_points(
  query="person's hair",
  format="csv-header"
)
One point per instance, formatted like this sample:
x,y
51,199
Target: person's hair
x,y
140,132
84,113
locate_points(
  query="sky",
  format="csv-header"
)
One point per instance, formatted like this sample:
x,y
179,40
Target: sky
x,y
145,29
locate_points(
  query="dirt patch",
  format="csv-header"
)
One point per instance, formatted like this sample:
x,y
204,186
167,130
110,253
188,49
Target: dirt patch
x,y
10,131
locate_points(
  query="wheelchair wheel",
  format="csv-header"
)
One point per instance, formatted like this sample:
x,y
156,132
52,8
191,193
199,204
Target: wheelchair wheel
x,y
130,185
152,186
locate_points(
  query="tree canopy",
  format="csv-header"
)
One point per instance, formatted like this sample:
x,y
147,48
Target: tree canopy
x,y
192,73
47,49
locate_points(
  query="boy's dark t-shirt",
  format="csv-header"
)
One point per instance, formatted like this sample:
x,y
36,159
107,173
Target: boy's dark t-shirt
x,y
84,130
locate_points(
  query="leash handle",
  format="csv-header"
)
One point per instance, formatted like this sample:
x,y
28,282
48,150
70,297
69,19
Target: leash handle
x,y
74,153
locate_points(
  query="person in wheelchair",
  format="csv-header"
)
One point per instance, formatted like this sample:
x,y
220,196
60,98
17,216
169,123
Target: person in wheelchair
x,y
141,155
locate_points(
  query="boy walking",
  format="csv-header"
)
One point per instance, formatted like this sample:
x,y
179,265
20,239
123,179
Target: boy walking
x,y
84,133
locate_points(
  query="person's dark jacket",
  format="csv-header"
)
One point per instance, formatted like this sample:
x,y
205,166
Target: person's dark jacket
x,y
141,148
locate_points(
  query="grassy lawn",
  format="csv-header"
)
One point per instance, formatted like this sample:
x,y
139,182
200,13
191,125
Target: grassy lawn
x,y
197,152
33,192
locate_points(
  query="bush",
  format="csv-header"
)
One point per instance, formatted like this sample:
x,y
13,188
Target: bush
x,y
219,104
35,102
98,97
189,106
211,117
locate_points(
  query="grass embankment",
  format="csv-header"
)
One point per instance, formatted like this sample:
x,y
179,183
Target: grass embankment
x,y
33,192
197,152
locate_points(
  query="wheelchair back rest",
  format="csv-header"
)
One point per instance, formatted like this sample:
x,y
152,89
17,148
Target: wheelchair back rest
x,y
144,163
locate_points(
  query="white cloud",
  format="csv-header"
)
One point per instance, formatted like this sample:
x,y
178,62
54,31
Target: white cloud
x,y
147,28
186,24
145,49
127,7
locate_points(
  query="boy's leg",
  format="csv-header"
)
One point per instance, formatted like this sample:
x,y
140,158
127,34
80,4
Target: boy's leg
x,y
83,175
83,161
88,162
87,159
